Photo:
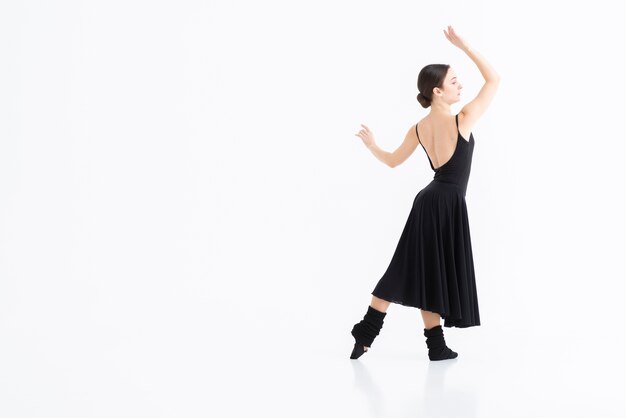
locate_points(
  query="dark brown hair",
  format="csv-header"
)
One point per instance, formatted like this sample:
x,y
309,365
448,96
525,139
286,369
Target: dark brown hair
x,y
430,77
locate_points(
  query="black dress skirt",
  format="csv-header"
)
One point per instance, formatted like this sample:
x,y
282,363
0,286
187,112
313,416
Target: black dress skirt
x,y
433,267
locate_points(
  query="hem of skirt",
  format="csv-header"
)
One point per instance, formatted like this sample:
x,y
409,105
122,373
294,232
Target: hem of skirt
x,y
447,321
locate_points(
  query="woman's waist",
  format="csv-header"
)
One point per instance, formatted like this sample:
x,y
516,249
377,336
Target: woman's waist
x,y
449,184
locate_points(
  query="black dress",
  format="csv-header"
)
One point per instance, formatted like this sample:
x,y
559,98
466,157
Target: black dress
x,y
433,267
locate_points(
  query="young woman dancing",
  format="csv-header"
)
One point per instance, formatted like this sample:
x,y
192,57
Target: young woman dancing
x,y
432,268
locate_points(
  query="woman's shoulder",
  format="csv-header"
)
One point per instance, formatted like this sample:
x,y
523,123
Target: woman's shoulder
x,y
465,126
422,122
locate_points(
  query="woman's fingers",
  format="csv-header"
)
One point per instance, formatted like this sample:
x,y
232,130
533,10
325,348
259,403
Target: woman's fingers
x,y
364,133
453,33
453,37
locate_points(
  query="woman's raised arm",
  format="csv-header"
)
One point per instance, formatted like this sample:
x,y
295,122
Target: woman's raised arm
x,y
473,110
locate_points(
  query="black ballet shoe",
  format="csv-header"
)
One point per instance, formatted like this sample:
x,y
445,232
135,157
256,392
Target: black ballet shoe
x,y
357,351
366,331
437,349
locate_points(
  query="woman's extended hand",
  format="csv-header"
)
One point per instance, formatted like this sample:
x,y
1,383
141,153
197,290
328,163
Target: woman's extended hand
x,y
366,136
455,38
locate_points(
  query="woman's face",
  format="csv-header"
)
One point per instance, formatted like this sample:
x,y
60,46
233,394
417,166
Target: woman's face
x,y
451,87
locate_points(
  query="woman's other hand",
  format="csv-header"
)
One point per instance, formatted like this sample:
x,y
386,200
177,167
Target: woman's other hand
x,y
366,136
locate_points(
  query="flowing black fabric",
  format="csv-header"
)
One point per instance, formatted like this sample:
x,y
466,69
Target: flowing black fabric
x,y
433,267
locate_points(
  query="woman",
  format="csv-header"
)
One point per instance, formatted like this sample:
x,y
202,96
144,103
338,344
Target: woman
x,y
432,267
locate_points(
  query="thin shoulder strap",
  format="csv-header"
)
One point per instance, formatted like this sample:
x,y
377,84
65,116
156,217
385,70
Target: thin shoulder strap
x,y
457,121
418,135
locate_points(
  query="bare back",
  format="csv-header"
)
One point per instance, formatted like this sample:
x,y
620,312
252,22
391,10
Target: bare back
x,y
439,137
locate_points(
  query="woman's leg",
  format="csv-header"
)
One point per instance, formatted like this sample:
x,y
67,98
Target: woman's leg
x,y
379,304
435,341
431,319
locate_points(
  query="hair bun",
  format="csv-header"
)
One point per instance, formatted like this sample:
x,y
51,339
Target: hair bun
x,y
423,100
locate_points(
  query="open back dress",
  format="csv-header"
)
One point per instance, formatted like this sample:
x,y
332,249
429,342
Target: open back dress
x,y
432,267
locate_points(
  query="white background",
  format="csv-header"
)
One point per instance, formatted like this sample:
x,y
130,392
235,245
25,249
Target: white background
x,y
189,227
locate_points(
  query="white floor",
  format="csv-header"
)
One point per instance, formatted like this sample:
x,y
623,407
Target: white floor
x,y
207,366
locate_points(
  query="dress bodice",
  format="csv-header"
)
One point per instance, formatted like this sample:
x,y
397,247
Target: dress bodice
x,y
457,169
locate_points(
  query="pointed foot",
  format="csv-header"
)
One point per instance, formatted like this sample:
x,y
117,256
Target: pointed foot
x,y
357,351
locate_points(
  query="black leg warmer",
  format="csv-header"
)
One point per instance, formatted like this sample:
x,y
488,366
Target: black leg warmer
x,y
366,331
437,349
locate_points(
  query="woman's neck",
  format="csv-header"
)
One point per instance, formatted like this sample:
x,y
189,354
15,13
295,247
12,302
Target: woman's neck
x,y
440,108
